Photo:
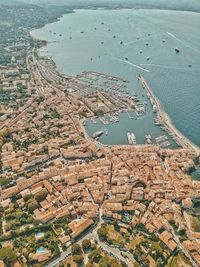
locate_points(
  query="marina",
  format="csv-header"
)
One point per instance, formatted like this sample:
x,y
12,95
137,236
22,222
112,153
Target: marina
x,y
165,70
166,121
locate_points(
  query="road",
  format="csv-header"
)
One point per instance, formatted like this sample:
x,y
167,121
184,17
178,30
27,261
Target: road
x,y
115,252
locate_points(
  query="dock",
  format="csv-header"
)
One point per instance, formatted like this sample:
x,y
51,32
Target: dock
x,y
166,121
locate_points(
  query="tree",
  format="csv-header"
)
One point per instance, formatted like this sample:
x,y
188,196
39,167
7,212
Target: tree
x,y
103,233
78,259
182,232
7,255
104,262
41,195
95,256
32,205
76,249
115,263
3,181
116,226
27,197
86,245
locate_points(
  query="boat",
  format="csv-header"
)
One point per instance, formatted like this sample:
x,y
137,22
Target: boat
x,y
140,51
147,44
114,36
148,58
97,134
121,42
189,65
148,139
82,32
129,138
126,58
177,50
154,108
133,138
157,124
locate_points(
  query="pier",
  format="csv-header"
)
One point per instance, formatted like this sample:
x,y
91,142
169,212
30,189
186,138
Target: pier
x,y
166,121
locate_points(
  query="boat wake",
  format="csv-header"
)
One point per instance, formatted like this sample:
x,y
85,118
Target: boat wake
x,y
166,67
131,64
183,43
172,35
131,42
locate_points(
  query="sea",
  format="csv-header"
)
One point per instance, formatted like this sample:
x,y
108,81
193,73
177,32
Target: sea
x,y
129,42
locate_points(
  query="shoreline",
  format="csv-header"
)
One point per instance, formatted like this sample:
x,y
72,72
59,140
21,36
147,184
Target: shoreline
x,y
166,120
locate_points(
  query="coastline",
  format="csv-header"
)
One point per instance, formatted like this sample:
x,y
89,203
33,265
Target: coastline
x,y
164,118
162,115
167,122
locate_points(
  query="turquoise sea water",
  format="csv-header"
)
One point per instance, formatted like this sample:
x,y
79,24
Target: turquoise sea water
x,y
152,34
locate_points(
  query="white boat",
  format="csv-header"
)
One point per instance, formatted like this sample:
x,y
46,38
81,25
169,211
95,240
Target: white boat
x,y
133,138
97,134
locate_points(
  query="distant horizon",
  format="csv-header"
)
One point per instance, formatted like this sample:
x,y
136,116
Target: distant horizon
x,y
193,5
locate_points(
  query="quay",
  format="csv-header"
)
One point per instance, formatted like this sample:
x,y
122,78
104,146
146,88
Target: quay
x,y
166,121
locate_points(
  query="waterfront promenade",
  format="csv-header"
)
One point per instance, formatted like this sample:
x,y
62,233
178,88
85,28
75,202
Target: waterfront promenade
x,y
166,120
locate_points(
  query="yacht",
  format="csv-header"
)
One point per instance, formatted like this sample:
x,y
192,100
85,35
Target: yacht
x,y
97,134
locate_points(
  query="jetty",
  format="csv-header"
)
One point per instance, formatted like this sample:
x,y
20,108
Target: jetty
x,y
164,118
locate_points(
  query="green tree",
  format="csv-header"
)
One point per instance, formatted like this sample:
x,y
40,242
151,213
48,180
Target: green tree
x,y
86,245
104,262
78,259
3,181
41,195
76,249
27,197
103,233
116,226
115,263
7,255
95,256
182,232
32,205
